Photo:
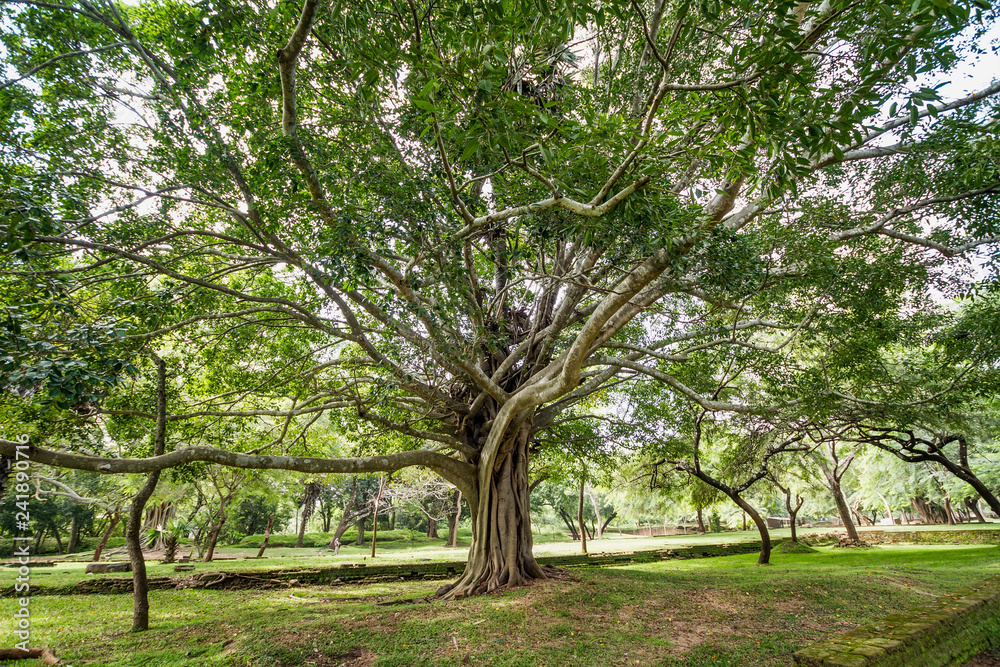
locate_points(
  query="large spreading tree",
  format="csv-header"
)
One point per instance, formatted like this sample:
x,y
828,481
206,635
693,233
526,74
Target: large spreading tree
x,y
452,225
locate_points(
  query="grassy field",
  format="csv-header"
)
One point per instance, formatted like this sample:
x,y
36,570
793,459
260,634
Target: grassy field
x,y
718,611
421,549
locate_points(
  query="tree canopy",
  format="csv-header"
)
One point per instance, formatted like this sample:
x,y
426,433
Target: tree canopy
x,y
455,225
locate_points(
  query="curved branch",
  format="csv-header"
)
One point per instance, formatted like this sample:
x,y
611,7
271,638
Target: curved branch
x,y
458,473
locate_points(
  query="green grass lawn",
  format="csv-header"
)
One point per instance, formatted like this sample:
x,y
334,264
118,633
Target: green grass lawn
x,y
707,612
402,551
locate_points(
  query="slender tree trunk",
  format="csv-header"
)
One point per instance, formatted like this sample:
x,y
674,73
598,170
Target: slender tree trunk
x,y
974,508
701,522
765,536
345,520
300,538
569,524
793,511
949,512
579,518
608,521
453,521
214,535
842,508
267,536
888,510
54,529
39,536
140,591
113,521
378,499
74,535
598,528
361,532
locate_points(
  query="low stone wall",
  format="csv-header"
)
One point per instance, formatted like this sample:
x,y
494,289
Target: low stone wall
x,y
370,573
980,536
945,632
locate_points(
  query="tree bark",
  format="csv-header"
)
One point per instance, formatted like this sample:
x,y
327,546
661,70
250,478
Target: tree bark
x,y
579,518
267,536
888,510
598,528
569,524
214,535
113,521
378,499
361,532
793,511
500,555
345,520
432,528
453,521
608,521
974,508
701,522
949,512
833,484
765,536
54,529
43,654
140,591
74,535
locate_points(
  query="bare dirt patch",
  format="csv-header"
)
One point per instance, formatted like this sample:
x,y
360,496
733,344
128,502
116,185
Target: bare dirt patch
x,y
985,660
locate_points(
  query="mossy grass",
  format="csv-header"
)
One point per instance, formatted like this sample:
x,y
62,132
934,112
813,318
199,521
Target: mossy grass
x,y
789,547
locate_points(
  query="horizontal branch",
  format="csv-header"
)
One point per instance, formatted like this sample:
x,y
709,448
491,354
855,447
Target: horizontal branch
x,y
458,473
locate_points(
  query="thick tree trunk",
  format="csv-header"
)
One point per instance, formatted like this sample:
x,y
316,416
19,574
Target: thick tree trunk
x,y
267,535
920,506
500,554
432,528
107,534
361,532
974,508
140,591
701,522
